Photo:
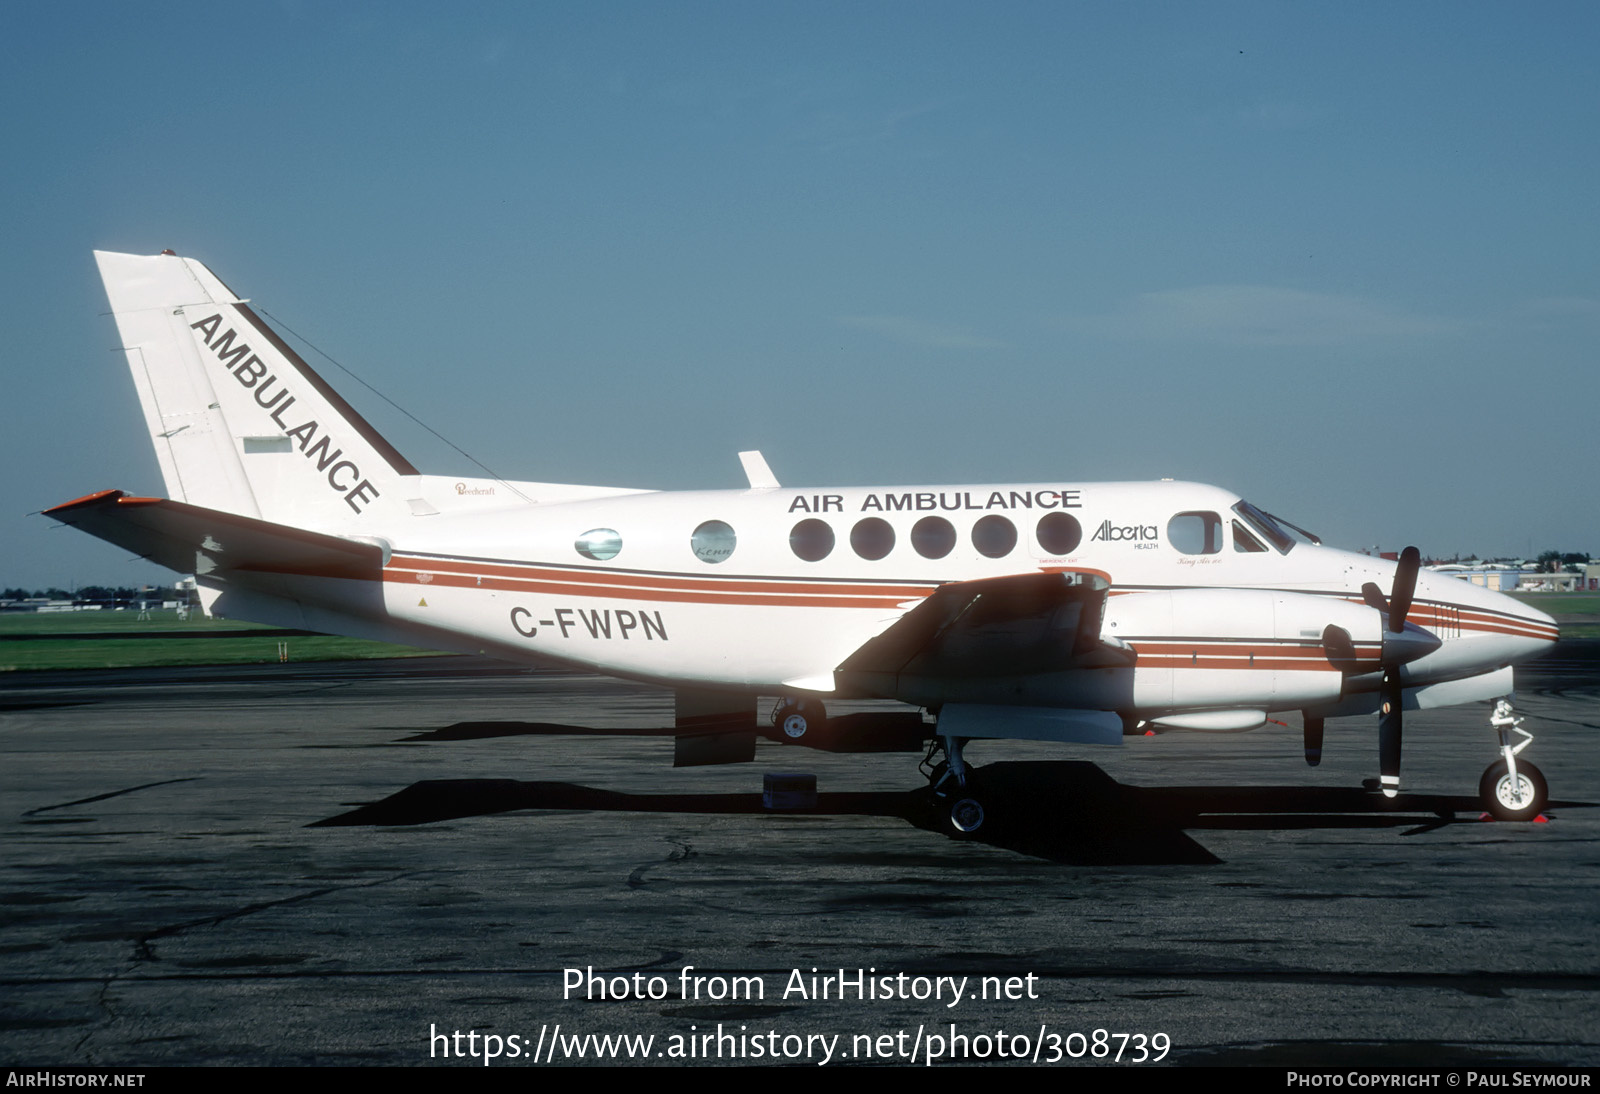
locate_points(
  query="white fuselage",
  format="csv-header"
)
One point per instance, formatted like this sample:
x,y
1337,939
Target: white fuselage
x,y
1199,604
1218,616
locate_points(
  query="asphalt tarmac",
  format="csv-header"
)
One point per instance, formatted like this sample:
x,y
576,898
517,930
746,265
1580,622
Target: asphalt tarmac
x,y
328,864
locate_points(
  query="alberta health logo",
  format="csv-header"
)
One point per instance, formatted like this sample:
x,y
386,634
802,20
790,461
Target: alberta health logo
x,y
1142,536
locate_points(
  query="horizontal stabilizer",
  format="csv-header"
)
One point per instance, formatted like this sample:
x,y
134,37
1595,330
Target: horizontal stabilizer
x,y
194,540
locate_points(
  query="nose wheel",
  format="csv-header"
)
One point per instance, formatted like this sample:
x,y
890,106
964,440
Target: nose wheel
x,y
965,817
958,804
1518,797
1512,789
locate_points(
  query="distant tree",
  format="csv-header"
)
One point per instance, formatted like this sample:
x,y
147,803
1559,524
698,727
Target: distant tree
x,y
15,594
1553,562
54,593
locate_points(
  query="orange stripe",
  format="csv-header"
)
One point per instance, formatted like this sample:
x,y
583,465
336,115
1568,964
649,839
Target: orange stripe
x,y
650,581
611,584
1261,665
1479,620
1266,656
1258,647
465,581
1482,622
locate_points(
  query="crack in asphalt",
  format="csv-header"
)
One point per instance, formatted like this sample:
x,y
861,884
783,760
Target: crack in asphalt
x,y
144,951
110,794
685,851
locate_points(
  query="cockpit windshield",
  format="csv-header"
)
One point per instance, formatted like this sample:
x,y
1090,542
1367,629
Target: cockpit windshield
x,y
1280,533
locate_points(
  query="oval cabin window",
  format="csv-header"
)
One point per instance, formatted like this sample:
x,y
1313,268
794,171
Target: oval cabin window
x,y
811,540
872,538
599,544
994,536
713,541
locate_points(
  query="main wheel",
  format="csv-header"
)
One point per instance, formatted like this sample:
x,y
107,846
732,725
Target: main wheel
x,y
1520,800
801,720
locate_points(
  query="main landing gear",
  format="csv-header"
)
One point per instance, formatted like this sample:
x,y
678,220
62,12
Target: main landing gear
x,y
800,721
958,806
1512,790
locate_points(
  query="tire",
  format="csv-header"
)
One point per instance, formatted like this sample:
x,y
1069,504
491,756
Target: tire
x,y
801,721
965,817
1497,792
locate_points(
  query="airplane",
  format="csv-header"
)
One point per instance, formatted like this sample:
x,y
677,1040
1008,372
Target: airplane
x,y
1077,612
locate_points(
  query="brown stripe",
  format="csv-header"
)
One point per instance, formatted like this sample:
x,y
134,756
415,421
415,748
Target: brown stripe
x,y
673,596
533,572
1261,665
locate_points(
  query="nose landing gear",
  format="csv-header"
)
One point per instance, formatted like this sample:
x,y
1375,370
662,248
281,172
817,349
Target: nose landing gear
x,y
1512,790
958,805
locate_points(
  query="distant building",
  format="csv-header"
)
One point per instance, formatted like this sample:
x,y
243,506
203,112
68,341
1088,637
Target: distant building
x,y
1500,579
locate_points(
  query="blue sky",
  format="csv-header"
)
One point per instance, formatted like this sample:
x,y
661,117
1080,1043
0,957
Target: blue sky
x,y
1338,257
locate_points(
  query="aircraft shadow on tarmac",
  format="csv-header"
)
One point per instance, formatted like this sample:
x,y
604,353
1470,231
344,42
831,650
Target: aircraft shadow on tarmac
x,y
869,732
1069,812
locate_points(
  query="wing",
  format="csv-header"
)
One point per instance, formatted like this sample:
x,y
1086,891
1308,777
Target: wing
x,y
194,540
988,631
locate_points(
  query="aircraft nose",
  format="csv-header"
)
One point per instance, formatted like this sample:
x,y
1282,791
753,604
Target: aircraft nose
x,y
1526,612
1543,624
1497,612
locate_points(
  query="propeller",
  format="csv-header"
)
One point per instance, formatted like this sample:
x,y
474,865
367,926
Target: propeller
x,y
1402,643
1395,653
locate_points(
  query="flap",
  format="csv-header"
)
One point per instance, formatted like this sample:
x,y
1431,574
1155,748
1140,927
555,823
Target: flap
x,y
1003,626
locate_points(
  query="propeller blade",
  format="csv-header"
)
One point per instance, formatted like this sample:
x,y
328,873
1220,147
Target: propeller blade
x,y
1405,587
1374,597
1389,725
1313,740
1340,649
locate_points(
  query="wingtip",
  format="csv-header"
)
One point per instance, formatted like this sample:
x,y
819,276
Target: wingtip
x,y
99,497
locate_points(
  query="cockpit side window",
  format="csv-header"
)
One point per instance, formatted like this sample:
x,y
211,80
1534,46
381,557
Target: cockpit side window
x,y
1266,526
1244,542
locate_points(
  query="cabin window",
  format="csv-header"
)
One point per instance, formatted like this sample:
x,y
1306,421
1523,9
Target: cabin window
x,y
1058,533
872,538
994,536
933,537
713,541
1196,533
811,540
599,544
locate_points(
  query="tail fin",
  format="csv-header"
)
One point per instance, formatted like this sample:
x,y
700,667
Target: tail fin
x,y
240,422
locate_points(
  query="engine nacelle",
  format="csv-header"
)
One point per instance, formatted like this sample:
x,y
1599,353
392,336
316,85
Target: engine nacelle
x,y
1239,649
